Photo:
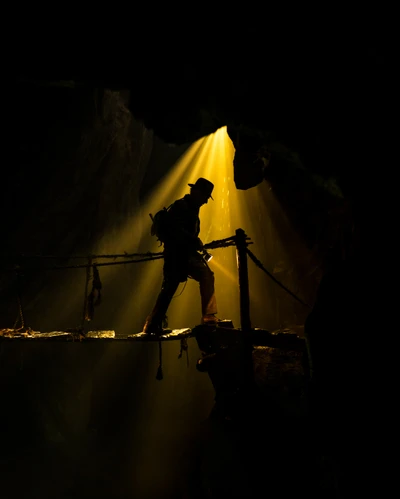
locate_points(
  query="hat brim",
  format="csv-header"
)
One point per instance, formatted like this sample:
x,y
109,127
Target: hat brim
x,y
192,185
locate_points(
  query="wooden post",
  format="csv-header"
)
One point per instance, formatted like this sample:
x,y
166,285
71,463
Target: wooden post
x,y
241,256
245,322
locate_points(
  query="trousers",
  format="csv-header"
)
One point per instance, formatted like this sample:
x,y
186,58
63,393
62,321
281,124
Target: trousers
x,y
177,269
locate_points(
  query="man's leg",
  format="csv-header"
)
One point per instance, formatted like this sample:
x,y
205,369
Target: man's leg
x,y
201,272
153,323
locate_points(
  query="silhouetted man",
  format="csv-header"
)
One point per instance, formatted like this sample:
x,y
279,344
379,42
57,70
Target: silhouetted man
x,y
182,258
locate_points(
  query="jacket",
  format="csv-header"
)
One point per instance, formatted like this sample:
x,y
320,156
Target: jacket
x,y
183,226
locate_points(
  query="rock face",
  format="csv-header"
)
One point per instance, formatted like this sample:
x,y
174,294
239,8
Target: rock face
x,y
78,161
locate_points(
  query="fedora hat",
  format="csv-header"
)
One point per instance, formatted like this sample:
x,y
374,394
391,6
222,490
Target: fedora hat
x,y
204,185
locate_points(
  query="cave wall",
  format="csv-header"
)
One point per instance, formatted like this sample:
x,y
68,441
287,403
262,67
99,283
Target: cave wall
x,y
78,160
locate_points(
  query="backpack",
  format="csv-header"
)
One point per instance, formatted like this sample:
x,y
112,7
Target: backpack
x,y
160,223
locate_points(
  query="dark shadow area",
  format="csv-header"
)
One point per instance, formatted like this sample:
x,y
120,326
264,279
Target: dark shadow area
x,y
93,421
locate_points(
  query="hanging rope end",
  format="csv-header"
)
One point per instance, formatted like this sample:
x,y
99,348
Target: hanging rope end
x,y
159,375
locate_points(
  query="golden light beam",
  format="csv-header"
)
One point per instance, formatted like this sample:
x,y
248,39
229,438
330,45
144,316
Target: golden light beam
x,y
135,286
173,187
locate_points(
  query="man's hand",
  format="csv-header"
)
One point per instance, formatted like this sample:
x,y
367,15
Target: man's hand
x,y
199,244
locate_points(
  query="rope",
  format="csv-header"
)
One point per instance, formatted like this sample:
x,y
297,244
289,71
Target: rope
x,y
220,243
20,317
184,348
223,243
83,266
81,257
85,299
94,297
261,266
229,241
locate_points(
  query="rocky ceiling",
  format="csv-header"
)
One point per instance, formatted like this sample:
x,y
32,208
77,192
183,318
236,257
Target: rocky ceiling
x,y
317,106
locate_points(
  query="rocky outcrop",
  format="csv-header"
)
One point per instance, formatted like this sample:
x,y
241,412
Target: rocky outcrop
x,y
78,161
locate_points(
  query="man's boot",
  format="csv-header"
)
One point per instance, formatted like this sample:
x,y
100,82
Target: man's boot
x,y
210,320
152,327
